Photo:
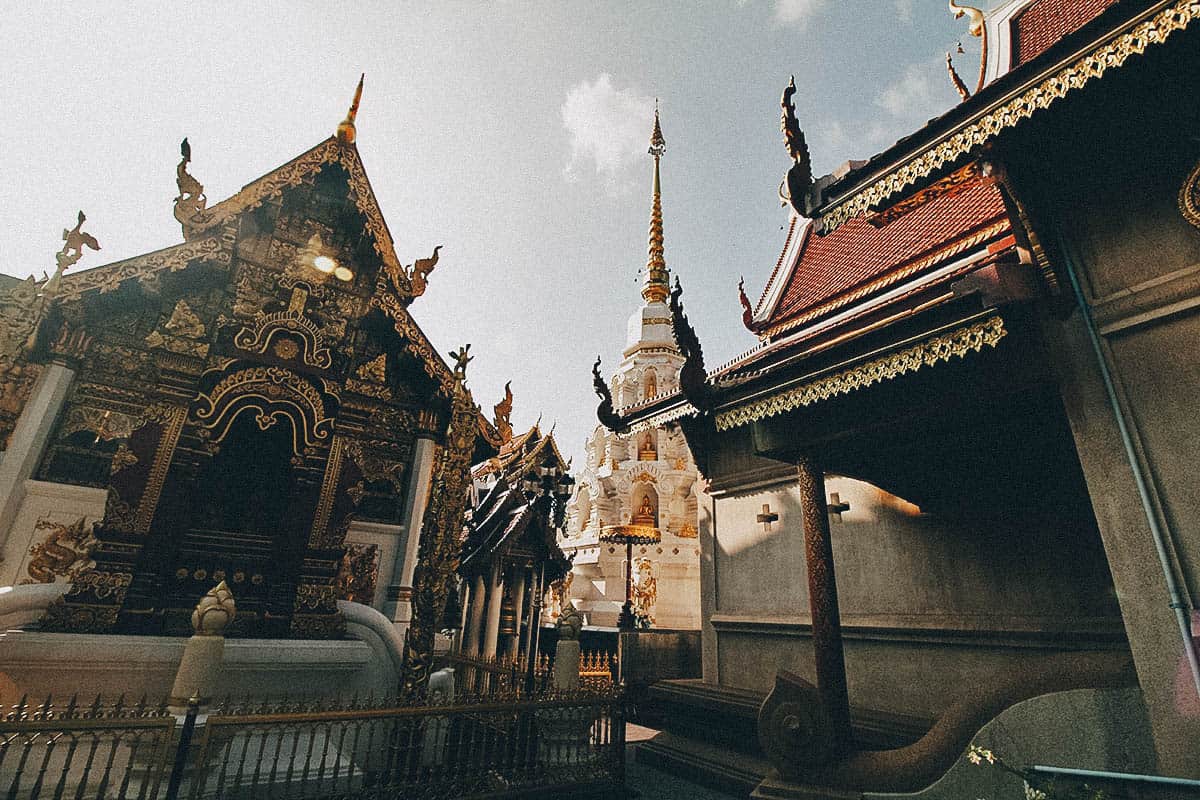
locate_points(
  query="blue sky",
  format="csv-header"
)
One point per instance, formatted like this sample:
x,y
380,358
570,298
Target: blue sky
x,y
512,133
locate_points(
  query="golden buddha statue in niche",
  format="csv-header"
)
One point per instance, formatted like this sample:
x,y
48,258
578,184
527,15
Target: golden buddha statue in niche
x,y
645,514
647,450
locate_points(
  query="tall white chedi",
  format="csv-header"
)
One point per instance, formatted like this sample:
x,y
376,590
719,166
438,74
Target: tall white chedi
x,y
643,478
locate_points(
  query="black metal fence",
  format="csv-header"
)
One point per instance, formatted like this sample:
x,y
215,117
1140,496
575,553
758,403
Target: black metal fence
x,y
481,748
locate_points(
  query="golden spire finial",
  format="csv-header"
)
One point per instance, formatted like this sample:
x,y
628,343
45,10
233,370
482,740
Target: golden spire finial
x,y
345,129
658,282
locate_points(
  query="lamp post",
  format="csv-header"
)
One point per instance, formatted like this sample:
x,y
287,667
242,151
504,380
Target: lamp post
x,y
547,489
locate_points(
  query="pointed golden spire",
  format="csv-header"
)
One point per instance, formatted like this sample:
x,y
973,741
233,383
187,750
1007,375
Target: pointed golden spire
x,y
345,129
657,285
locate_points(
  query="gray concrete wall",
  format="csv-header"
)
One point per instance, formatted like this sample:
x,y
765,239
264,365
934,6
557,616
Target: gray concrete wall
x,y
930,606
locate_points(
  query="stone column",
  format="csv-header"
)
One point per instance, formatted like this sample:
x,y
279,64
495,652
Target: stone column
x,y
491,633
514,644
416,497
473,635
822,598
29,438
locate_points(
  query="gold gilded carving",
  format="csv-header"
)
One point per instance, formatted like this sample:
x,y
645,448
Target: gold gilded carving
x,y
285,349
302,169
439,548
358,573
263,388
64,553
183,322
1110,55
418,273
189,205
74,241
319,535
373,370
503,412
461,359
172,419
256,338
171,259
955,344
1189,197
687,531
106,424
122,459
377,466
415,341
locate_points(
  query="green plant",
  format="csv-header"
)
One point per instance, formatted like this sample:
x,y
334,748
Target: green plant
x,y
1037,785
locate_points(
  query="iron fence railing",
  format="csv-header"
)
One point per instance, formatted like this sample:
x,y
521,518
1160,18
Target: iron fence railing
x,y
483,747
100,750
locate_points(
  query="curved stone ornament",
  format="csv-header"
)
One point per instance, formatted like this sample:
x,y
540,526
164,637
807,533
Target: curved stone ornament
x,y
793,729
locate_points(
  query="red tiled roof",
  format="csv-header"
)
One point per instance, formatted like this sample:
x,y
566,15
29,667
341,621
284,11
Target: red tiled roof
x,y
857,253
1046,21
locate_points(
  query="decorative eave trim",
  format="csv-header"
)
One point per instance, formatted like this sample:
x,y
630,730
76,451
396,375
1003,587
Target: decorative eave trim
x,y
109,277
661,418
1154,27
416,342
956,343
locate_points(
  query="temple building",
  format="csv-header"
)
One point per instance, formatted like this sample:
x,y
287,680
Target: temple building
x,y
642,482
950,492
254,405
510,555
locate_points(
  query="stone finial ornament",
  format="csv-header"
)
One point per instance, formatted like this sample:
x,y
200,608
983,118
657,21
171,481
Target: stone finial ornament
x,y
214,611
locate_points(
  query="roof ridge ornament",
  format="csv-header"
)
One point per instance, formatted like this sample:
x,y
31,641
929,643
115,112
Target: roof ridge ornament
x,y
747,307
608,417
191,202
692,375
977,28
503,414
346,133
963,92
795,185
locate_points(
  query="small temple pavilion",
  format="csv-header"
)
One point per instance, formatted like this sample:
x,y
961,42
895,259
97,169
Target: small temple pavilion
x,y
951,494
510,554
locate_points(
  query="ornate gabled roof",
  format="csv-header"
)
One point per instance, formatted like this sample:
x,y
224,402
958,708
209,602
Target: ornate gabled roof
x,y
1043,22
1091,40
301,169
520,454
860,260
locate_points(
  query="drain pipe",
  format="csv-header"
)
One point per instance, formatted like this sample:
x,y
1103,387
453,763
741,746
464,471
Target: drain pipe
x,y
1177,603
1120,777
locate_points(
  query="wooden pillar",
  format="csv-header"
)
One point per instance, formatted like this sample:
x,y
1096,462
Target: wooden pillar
x,y
472,630
514,643
822,598
491,633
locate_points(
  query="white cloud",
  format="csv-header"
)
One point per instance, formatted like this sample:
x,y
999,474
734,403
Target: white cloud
x,y
914,94
797,12
609,129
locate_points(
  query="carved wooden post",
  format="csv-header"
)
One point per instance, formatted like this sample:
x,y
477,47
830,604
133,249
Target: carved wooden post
x,y
822,598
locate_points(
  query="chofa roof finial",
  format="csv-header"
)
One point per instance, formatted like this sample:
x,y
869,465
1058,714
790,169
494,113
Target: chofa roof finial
x,y
346,133
799,177
976,27
963,92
